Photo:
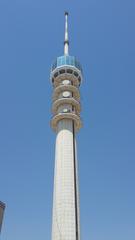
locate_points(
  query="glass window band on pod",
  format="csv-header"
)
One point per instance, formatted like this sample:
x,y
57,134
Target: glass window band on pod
x,y
66,60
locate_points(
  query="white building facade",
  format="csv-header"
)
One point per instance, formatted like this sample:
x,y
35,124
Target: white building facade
x,y
66,77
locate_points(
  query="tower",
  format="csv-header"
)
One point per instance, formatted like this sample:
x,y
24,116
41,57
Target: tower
x,y
66,77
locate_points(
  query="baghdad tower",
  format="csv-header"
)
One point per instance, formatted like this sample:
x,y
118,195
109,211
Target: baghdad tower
x,y
66,77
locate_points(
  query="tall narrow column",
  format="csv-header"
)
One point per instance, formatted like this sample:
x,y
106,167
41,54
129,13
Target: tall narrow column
x,y
66,77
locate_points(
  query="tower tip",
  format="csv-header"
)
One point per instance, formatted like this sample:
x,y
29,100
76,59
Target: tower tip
x,y
66,13
66,41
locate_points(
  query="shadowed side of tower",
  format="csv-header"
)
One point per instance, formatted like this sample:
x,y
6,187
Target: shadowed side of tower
x,y
66,77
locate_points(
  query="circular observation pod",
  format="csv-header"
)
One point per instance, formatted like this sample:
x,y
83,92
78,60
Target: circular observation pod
x,y
68,115
67,101
66,68
61,88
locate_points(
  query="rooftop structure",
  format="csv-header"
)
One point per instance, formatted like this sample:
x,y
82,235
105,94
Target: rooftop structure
x,y
2,208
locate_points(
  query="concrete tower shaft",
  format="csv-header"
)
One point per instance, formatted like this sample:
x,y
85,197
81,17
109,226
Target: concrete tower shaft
x,y
66,77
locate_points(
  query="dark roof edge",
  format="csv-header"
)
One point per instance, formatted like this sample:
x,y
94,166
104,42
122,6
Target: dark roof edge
x,y
2,205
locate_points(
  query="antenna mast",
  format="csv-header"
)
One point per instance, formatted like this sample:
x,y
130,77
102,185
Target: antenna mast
x,y
66,41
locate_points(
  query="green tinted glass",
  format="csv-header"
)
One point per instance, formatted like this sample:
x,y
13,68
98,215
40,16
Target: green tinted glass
x,y
66,60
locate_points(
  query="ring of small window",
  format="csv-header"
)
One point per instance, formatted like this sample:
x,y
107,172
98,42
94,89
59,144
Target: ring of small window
x,y
69,71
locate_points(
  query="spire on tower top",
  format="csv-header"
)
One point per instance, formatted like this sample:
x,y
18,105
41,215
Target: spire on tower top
x,y
66,41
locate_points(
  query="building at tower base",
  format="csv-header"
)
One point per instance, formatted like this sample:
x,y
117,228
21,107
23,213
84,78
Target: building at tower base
x,y
2,208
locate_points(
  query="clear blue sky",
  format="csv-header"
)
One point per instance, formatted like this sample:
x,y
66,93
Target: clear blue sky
x,y
102,36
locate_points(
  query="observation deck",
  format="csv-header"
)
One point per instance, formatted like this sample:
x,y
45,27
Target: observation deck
x,y
66,61
66,67
66,77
